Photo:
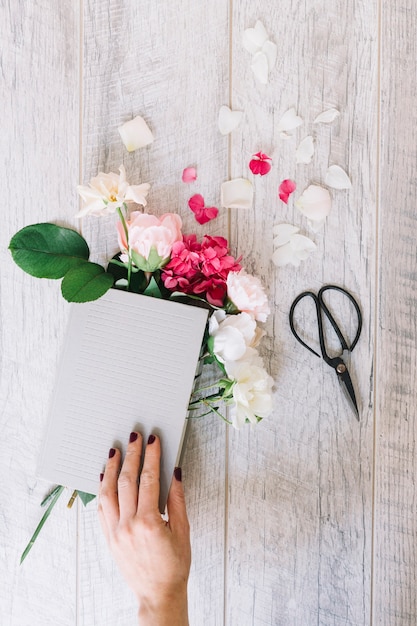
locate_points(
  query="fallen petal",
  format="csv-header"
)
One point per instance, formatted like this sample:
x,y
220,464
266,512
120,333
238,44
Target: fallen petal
x,y
254,38
283,233
305,150
196,202
296,250
289,121
285,189
337,178
202,213
237,194
327,117
228,119
284,255
259,67
315,203
258,166
136,134
270,51
189,174
317,225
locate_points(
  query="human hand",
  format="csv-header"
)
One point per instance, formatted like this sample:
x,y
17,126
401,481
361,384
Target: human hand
x,y
154,556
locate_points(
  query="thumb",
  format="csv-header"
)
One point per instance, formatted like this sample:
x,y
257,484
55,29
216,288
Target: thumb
x,y
177,512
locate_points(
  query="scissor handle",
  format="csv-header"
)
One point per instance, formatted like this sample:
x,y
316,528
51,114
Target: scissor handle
x,y
321,306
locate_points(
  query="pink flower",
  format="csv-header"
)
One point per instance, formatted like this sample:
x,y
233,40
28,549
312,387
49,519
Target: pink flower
x,y
200,268
189,174
285,189
260,164
247,294
202,213
151,238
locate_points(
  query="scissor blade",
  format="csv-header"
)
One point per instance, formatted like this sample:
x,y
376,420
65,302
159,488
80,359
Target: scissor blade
x,y
347,386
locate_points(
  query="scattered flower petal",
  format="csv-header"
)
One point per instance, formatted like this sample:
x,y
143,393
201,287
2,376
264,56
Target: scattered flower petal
x,y
202,213
228,119
315,203
237,194
254,38
289,121
305,150
260,68
285,189
317,225
283,233
337,178
270,51
292,248
136,134
327,117
260,164
189,174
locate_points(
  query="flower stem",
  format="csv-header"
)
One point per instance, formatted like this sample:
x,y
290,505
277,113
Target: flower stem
x,y
129,267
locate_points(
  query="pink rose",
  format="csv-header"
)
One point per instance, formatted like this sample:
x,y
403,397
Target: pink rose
x,y
247,294
151,238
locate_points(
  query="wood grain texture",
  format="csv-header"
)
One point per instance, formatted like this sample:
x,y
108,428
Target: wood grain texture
x,y
170,65
396,462
300,500
39,149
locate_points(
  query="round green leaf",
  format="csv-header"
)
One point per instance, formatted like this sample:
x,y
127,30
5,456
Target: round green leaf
x,y
47,250
85,283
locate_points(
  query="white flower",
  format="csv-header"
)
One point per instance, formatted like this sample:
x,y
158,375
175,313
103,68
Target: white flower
x,y
108,192
233,335
248,295
252,391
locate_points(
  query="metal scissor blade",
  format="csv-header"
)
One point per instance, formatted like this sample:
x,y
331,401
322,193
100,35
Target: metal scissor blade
x,y
347,386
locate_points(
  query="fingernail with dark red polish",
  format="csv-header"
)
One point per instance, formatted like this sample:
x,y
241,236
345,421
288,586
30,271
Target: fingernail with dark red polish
x,y
151,439
178,474
133,437
101,477
112,452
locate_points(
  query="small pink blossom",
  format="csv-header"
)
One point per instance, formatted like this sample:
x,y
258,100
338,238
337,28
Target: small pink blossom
x,y
189,174
202,213
248,295
200,268
260,164
285,189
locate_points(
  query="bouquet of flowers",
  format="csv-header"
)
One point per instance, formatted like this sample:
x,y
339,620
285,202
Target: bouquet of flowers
x,y
158,260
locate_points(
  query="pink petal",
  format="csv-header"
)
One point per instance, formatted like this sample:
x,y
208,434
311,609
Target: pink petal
x,y
202,213
189,174
259,167
262,155
285,189
196,202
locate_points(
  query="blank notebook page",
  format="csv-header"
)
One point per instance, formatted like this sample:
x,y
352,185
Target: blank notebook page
x,y
128,363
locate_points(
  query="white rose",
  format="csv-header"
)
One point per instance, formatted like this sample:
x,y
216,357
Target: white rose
x,y
233,335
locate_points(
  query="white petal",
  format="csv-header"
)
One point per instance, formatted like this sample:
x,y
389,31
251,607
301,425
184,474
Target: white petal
x,y
305,150
289,121
285,255
136,134
254,38
259,67
315,203
327,117
302,245
228,119
138,193
317,225
337,178
237,194
270,51
283,233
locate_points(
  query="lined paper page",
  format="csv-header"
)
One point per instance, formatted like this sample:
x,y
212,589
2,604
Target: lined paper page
x,y
128,364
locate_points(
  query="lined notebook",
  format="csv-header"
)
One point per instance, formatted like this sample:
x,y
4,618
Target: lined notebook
x,y
128,363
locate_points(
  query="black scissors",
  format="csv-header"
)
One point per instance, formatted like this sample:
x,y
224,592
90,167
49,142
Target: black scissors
x,y
337,363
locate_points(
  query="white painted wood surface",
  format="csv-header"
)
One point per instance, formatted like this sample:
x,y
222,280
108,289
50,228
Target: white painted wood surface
x,y
309,518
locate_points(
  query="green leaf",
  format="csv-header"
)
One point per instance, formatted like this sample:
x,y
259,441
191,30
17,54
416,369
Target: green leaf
x,y
153,289
85,497
86,283
47,250
152,263
39,527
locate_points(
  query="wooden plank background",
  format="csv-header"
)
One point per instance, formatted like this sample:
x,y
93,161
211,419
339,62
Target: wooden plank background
x,y
309,518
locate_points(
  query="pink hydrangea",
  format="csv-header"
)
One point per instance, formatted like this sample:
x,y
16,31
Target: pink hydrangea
x,y
200,268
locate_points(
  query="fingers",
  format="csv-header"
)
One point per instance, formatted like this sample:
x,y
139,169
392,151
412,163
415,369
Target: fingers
x,y
128,478
108,500
149,479
178,519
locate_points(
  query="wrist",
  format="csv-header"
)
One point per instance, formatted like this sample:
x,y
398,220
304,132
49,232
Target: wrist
x,y
164,610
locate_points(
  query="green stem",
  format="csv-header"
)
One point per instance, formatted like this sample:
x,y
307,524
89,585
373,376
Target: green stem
x,y
214,410
129,267
205,388
57,492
